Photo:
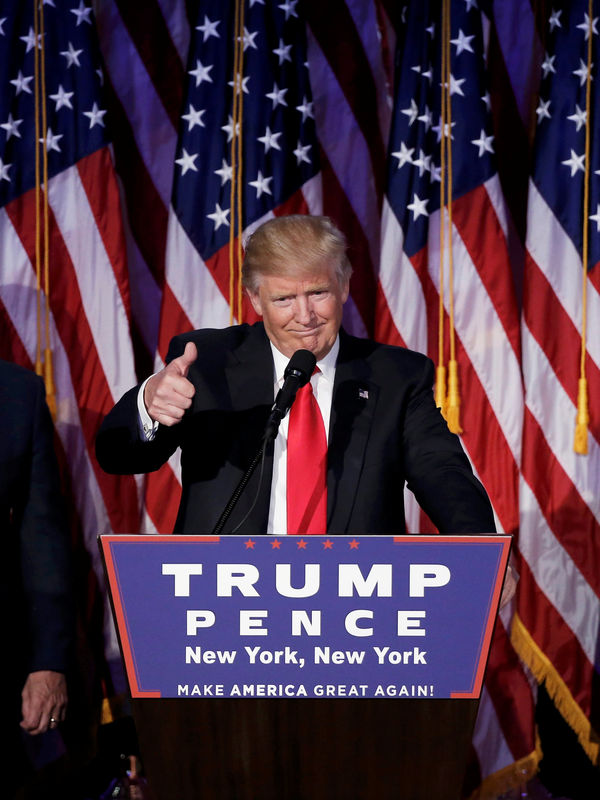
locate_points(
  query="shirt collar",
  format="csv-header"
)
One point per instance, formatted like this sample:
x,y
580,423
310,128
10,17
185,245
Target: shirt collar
x,y
326,364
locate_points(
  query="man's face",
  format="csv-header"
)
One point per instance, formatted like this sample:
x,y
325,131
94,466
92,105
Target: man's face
x,y
303,313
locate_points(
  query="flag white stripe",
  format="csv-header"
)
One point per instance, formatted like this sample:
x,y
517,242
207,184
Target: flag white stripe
x,y
95,277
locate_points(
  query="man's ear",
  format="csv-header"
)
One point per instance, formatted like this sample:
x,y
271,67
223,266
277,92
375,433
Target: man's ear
x,y
254,298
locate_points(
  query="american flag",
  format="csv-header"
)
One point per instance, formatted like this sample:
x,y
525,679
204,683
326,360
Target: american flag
x,y
559,607
485,312
53,135
116,299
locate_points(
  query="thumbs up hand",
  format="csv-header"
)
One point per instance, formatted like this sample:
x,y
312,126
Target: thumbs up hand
x,y
169,393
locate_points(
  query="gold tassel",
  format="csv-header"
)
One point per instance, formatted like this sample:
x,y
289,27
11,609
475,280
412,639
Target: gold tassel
x,y
580,445
440,389
49,382
453,407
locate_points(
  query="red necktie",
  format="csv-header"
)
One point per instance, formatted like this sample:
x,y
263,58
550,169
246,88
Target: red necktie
x,y
306,466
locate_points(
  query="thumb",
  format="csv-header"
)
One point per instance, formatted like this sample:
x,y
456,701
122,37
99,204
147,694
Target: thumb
x,y
184,362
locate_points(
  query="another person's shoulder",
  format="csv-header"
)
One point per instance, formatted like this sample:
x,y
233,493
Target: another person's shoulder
x,y
14,377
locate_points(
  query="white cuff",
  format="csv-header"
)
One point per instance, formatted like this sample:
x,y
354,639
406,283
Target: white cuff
x,y
148,426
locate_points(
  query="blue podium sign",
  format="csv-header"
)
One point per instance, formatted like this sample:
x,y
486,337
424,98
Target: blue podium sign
x,y
337,616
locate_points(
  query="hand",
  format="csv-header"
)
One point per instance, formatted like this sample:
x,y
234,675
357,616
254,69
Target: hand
x,y
508,588
44,698
168,394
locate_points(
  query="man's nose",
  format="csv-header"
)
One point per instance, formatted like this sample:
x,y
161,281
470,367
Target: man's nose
x,y
304,311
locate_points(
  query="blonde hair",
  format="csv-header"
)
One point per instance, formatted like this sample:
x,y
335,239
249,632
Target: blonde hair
x,y
292,245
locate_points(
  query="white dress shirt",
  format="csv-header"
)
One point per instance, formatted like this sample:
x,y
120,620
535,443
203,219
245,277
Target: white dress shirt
x,y
322,384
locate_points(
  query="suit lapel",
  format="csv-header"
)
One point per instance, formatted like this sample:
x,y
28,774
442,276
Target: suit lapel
x,y
353,406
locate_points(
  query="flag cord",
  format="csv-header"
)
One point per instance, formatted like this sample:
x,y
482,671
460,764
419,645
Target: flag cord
x,y
580,444
42,367
440,381
235,264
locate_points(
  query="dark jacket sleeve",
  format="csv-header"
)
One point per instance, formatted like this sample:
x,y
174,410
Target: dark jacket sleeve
x,y
437,469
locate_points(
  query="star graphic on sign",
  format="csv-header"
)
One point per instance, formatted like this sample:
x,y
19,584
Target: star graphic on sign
x,y
201,73
283,52
194,117
306,109
52,141
261,184
208,29
301,153
249,38
484,143
96,115
270,140
229,128
579,117
554,20
21,83
354,544
249,544
423,162
4,176
72,56
462,43
404,155
31,39
327,544
548,65
277,96
301,544
588,25
62,98
276,544
289,7
11,126
542,110
219,216
412,112
82,13
186,162
244,84
583,71
225,172
418,207
575,162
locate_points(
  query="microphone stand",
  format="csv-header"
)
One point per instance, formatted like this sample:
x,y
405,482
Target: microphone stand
x,y
239,490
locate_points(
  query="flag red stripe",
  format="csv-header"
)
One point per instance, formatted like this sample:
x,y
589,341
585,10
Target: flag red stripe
x,y
338,39
90,386
178,321
103,197
561,502
145,24
163,492
560,340
487,247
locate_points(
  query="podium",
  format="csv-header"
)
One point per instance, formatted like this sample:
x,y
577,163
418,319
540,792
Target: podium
x,y
398,726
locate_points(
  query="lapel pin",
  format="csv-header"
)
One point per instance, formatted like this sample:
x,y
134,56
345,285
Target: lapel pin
x,y
363,394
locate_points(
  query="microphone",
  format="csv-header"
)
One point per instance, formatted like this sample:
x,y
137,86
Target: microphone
x,y
296,375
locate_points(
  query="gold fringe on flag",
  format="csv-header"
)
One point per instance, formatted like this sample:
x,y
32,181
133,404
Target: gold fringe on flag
x,y
580,444
235,250
544,671
513,776
42,367
450,405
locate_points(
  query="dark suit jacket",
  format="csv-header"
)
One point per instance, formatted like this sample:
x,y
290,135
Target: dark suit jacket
x,y
384,430
35,590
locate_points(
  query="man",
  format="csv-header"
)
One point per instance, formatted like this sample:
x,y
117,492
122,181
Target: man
x,y
36,602
214,396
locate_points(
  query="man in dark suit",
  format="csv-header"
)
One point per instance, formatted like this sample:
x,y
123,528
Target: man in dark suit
x,y
36,600
214,396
